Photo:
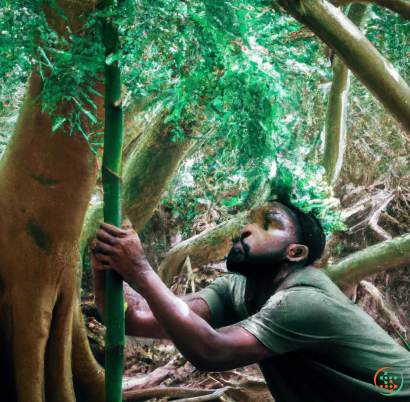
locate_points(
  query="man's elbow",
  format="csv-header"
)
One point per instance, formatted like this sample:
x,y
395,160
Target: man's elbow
x,y
208,359
210,365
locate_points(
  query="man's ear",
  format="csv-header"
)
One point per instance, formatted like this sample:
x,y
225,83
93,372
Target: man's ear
x,y
297,252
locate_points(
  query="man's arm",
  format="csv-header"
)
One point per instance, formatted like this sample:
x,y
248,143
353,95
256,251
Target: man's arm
x,y
142,322
206,348
139,319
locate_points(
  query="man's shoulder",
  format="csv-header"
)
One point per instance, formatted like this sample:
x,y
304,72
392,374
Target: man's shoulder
x,y
228,280
227,286
311,277
309,290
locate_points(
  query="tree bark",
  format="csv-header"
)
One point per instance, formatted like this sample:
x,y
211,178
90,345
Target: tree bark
x,y
156,159
336,113
359,55
46,182
336,120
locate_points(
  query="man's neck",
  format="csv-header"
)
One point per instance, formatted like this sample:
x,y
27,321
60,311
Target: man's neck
x,y
260,288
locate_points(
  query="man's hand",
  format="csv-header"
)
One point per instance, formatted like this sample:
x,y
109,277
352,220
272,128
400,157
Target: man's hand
x,y
121,250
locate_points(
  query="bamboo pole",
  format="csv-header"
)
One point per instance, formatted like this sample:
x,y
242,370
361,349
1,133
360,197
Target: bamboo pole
x,y
115,333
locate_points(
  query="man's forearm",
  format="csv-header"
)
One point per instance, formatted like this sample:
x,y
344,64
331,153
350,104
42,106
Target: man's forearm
x,y
139,320
191,334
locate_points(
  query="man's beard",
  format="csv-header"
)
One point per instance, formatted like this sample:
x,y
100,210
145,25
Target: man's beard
x,y
248,269
247,265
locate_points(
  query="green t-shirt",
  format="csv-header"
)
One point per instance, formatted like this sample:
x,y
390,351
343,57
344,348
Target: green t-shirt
x,y
328,348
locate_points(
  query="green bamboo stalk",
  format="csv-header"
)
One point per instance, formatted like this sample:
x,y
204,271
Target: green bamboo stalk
x,y
115,333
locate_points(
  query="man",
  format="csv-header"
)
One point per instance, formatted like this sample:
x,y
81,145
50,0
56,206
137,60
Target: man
x,y
311,342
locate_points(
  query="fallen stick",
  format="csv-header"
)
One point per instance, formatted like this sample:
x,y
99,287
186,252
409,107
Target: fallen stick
x,y
172,392
216,394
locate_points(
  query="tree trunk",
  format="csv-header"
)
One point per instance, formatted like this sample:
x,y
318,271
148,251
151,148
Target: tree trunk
x,y
46,181
336,113
359,55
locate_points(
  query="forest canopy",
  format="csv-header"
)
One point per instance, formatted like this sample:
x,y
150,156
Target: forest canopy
x,y
193,59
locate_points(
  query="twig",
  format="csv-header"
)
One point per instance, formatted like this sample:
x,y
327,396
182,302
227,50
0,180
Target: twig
x,y
204,398
190,273
173,392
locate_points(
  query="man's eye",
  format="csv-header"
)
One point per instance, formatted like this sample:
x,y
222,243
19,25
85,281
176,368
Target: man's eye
x,y
273,223
268,222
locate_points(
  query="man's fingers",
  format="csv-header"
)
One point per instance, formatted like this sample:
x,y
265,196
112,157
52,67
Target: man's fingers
x,y
100,259
96,263
106,237
103,248
112,230
103,259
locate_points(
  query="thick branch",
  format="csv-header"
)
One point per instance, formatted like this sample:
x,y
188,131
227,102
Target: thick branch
x,y
372,260
149,170
400,7
359,55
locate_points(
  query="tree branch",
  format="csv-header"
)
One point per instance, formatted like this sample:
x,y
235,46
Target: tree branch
x,y
336,119
336,113
400,7
359,55
372,260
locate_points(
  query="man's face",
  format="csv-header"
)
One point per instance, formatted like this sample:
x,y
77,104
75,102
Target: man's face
x,y
264,240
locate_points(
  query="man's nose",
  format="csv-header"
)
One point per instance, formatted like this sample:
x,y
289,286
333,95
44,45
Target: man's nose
x,y
246,231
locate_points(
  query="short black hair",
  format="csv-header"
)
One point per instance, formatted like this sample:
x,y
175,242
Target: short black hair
x,y
311,232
